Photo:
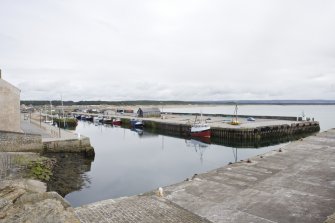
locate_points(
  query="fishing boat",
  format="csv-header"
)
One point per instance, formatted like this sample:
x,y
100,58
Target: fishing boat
x,y
116,121
200,129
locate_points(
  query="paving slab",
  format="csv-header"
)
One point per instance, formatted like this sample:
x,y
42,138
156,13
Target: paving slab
x,y
146,209
298,185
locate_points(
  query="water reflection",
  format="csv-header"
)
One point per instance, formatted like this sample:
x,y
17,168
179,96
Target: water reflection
x,y
69,173
199,145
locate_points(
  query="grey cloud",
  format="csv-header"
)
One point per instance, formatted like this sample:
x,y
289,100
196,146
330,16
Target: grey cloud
x,y
169,50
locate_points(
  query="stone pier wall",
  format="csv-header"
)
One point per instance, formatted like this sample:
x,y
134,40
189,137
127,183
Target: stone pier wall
x,y
20,142
82,145
256,133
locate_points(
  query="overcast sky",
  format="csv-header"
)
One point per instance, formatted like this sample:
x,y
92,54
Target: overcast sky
x,y
169,50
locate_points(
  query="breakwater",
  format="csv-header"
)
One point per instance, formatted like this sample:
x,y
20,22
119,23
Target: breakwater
x,y
262,131
264,128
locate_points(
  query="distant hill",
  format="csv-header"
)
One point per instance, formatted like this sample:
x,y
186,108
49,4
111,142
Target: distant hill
x,y
277,102
157,103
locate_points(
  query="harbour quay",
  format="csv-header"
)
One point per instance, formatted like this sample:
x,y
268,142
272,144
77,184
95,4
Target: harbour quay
x,y
292,184
261,128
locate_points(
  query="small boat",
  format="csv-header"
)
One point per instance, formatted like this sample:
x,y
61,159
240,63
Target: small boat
x,y
89,118
139,124
97,119
107,121
116,121
136,123
250,119
200,129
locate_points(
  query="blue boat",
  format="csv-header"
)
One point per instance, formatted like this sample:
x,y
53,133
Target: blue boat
x,y
136,123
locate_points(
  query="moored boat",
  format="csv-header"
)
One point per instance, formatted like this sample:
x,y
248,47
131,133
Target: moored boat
x,y
89,118
136,123
200,129
107,121
116,121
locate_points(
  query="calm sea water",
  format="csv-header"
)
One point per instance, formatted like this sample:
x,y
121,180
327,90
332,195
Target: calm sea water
x,y
129,163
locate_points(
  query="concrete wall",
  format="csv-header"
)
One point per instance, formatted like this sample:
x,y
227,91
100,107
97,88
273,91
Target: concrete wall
x,y
82,145
9,107
20,142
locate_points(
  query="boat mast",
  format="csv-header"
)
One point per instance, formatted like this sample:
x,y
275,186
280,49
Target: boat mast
x,y
46,113
235,120
61,98
52,118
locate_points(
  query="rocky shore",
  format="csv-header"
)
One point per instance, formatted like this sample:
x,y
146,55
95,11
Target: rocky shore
x,y
26,200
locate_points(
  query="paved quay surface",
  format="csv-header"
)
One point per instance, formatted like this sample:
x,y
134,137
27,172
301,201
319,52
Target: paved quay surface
x,y
47,131
293,184
28,127
213,121
222,122
148,209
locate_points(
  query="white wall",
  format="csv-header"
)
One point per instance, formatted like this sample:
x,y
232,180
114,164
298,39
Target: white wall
x,y
9,107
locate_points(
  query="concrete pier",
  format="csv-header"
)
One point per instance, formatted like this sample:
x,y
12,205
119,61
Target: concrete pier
x,y
56,139
293,184
263,128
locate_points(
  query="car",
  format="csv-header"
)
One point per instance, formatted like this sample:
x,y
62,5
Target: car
x,y
251,119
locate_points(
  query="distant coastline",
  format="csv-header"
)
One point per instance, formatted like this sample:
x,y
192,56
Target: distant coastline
x,y
169,102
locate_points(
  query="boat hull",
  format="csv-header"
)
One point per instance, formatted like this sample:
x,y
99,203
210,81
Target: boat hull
x,y
116,122
136,123
204,133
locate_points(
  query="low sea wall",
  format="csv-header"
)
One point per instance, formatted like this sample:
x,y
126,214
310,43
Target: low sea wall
x,y
81,145
20,142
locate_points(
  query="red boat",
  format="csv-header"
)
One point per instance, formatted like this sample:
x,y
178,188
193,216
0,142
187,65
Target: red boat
x,y
116,122
201,130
